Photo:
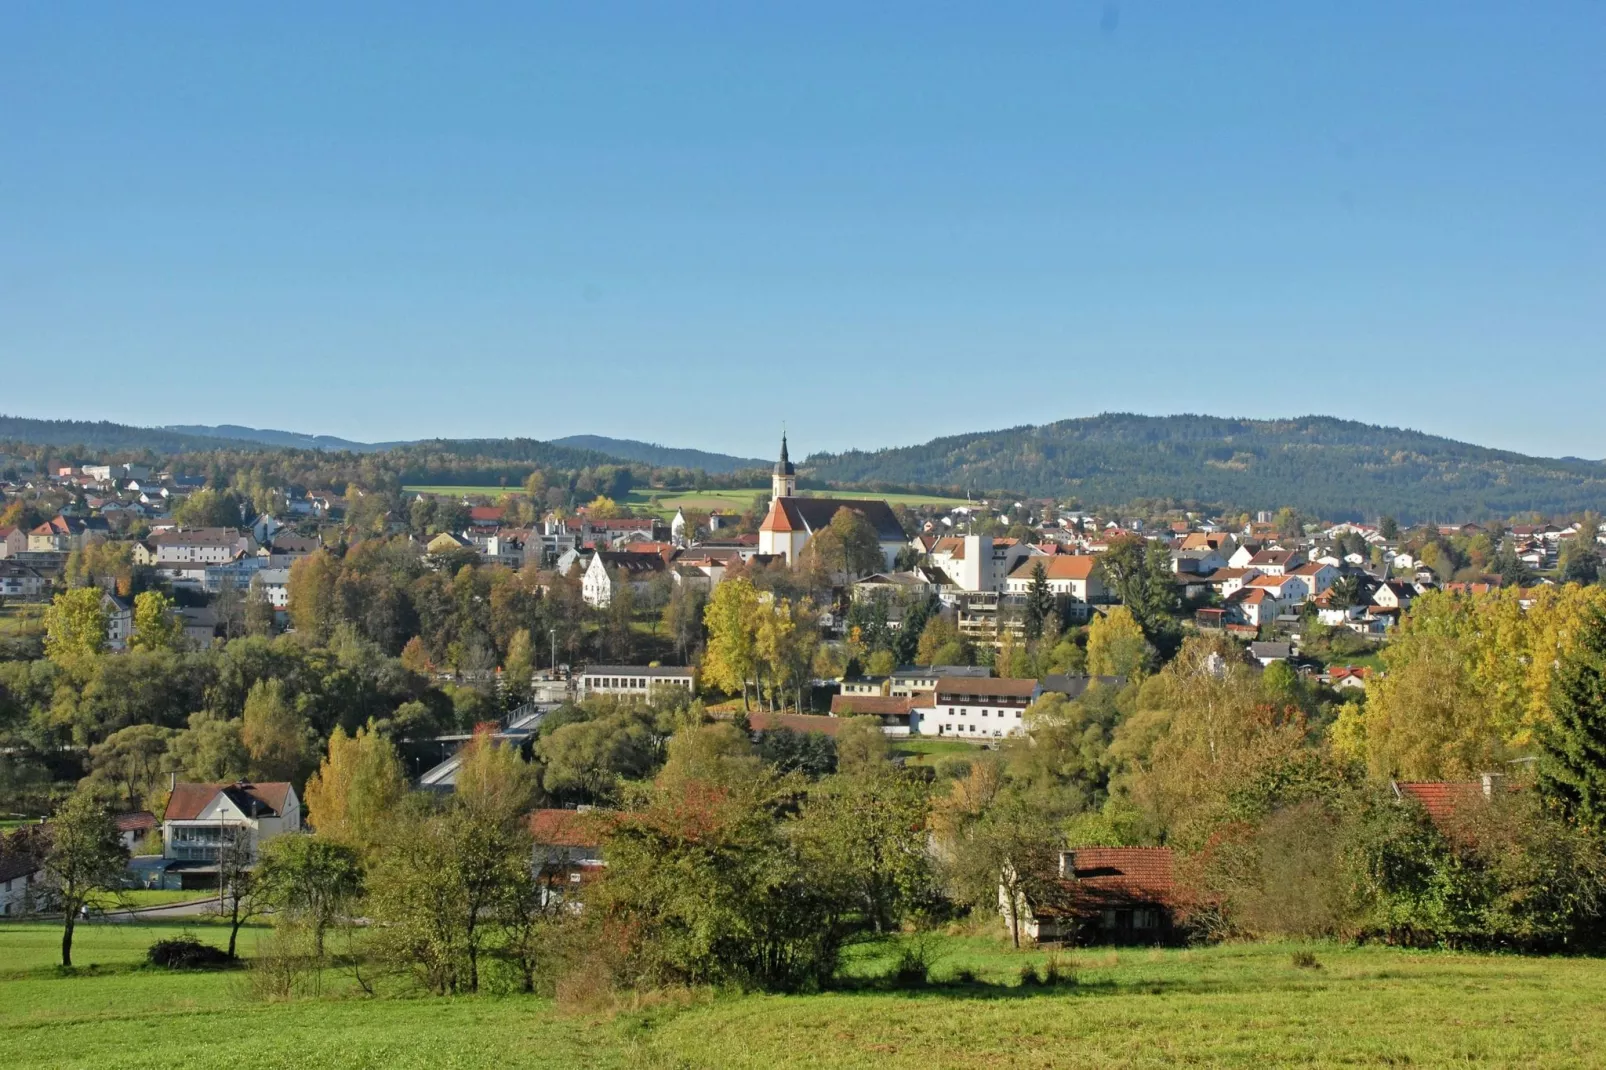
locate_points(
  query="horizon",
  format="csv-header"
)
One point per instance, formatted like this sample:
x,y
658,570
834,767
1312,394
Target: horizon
x,y
500,222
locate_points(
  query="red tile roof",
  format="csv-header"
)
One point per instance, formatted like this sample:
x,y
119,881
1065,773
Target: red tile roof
x,y
566,828
1441,799
138,821
797,722
1057,567
188,800
1098,877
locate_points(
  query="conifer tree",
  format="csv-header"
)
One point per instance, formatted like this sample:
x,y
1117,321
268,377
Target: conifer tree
x,y
1572,762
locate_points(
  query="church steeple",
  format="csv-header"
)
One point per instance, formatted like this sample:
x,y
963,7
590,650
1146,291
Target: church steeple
x,y
783,484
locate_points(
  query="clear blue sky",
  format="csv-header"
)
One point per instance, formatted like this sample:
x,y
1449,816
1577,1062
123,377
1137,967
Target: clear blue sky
x,y
879,222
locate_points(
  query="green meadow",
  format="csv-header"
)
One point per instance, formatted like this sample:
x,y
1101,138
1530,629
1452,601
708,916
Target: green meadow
x,y
1244,1005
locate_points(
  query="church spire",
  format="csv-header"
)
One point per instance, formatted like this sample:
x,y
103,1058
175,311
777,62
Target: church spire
x,y
783,483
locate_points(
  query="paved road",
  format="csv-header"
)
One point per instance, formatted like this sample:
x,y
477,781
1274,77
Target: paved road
x,y
166,910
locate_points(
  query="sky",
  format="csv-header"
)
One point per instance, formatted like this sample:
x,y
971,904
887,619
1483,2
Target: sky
x,y
687,223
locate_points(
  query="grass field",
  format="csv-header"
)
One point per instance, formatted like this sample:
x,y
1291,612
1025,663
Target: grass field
x,y
927,751
1234,1005
665,502
22,618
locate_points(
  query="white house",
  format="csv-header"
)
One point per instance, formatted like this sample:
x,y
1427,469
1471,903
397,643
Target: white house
x,y
608,568
971,707
212,546
201,818
1318,576
1072,575
275,582
21,879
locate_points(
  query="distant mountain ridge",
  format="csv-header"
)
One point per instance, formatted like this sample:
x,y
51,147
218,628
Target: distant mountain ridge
x,y
1321,465
662,456
288,439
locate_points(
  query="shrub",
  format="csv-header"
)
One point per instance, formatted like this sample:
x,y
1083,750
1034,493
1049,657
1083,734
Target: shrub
x,y
1056,972
1028,976
186,953
1305,960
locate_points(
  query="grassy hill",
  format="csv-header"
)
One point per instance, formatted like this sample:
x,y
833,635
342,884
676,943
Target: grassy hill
x,y
1332,468
1235,1005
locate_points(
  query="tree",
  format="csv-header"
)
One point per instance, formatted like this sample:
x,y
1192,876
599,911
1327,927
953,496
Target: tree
x,y
208,508
310,878
259,612
861,746
1039,602
718,754
1388,527
75,626
1139,571
1572,763
237,882
277,738
494,781
683,618
518,668
870,827
134,760
1115,645
156,624
85,860
210,749
357,789
584,761
997,849
731,617
312,603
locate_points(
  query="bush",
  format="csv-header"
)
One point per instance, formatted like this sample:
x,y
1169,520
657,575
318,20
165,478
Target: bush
x,y
1305,960
186,953
1028,976
1057,973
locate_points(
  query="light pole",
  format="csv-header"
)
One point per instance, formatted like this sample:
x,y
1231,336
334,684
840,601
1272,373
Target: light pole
x,y
222,811
553,632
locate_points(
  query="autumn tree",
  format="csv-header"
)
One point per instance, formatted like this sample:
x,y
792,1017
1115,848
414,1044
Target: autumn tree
x,y
156,623
133,761
75,626
1116,645
731,617
357,788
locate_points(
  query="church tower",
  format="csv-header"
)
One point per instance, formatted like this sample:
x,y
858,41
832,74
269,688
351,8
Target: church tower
x,y
783,484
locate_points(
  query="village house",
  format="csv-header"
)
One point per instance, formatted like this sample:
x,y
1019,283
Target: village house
x,y
969,707
897,714
22,884
566,854
1074,576
1103,895
209,546
13,541
609,568
22,584
201,818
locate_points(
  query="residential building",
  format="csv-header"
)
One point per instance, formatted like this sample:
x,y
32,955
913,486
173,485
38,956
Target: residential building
x,y
1104,895
22,583
896,714
1074,576
13,541
609,568
275,582
638,681
211,546
119,621
977,708
566,854
201,818
918,680
22,884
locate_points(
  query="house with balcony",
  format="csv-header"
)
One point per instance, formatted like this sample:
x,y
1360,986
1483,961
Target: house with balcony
x,y
201,819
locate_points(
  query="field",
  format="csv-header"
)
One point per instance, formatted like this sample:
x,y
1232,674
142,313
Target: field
x,y
20,618
1234,1005
665,502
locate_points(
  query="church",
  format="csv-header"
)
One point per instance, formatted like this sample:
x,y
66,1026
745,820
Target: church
x,y
792,521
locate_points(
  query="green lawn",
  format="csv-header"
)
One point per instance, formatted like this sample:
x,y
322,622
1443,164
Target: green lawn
x,y
455,492
738,501
927,751
22,618
1234,1005
155,897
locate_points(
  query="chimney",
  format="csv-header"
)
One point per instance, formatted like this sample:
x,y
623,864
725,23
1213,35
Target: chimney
x,y
172,783
1491,781
1067,864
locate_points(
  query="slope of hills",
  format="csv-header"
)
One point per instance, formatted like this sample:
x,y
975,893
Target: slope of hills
x,y
104,435
661,456
294,440
1320,465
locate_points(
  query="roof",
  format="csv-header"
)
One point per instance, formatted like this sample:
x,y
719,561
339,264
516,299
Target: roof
x,y
1271,650
198,537
797,722
991,687
484,514
1440,799
1057,567
17,865
267,799
1075,686
629,562
952,545
565,828
637,670
138,821
877,705
813,514
1096,877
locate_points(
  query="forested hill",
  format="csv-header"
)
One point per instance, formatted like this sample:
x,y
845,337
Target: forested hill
x,y
1323,466
103,435
661,456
